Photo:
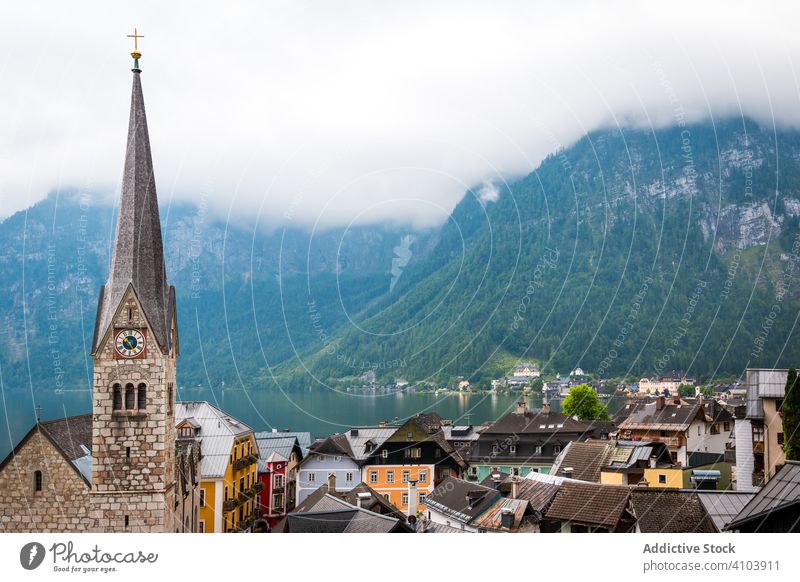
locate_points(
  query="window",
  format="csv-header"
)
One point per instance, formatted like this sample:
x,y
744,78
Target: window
x,y
127,521
128,452
423,475
348,476
390,476
406,476
142,396
241,484
715,428
337,459
515,471
373,476
726,426
117,397
202,498
410,435
556,449
538,449
512,449
471,471
226,493
385,453
414,452
404,498
129,397
758,434
37,480
202,526
170,398
312,477
662,479
422,498
277,502
278,480
698,430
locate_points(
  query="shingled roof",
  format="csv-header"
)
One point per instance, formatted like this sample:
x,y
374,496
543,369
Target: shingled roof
x,y
536,422
672,417
585,459
589,504
670,511
138,256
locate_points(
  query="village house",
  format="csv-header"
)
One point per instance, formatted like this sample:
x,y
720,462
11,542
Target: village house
x,y
340,455
523,441
610,462
417,451
228,467
683,425
277,472
759,428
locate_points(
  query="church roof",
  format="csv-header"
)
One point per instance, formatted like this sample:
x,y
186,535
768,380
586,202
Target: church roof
x,y
138,255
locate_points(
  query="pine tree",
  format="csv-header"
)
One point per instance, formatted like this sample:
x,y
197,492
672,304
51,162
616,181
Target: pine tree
x,y
791,417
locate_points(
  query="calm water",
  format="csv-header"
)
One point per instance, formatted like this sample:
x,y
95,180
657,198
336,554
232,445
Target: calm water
x,y
320,412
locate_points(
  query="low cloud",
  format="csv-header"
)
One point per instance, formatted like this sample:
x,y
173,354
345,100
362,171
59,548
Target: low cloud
x,y
322,114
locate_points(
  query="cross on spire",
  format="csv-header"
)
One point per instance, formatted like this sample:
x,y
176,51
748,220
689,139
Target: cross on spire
x,y
135,36
135,53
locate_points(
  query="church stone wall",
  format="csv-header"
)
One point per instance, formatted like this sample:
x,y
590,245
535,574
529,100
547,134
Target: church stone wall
x,y
61,506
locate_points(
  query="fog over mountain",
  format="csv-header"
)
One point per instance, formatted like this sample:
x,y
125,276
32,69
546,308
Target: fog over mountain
x,y
319,115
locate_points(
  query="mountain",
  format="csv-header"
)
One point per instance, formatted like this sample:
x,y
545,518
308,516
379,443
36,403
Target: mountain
x,y
630,252
244,296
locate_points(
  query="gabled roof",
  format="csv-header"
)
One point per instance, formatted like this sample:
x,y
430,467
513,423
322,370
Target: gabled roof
x,y
358,437
71,436
584,459
323,498
303,438
781,492
724,506
345,520
275,450
672,417
538,494
138,255
535,422
218,431
589,504
461,500
669,511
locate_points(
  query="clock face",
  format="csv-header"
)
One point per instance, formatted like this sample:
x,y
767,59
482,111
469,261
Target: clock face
x,y
129,343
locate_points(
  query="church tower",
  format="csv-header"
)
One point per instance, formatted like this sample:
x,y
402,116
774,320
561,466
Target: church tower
x,y
134,349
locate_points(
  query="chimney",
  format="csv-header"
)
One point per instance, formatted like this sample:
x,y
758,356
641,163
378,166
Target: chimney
x,y
653,462
522,406
274,430
506,518
514,487
546,407
412,498
497,479
384,423
362,497
567,472
331,482
659,402
676,398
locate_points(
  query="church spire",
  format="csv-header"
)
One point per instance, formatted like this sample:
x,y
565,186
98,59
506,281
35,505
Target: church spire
x,y
138,254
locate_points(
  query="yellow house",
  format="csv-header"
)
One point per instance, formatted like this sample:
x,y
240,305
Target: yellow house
x,y
228,469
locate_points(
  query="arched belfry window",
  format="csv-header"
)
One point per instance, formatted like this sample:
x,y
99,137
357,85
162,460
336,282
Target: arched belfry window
x,y
130,401
117,397
142,396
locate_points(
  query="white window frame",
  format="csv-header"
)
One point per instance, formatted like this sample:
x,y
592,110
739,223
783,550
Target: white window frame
x,y
405,476
348,476
423,476
385,453
373,476
390,476
404,498
312,477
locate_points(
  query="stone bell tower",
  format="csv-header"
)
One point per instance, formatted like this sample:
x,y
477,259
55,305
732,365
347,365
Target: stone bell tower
x,y
134,349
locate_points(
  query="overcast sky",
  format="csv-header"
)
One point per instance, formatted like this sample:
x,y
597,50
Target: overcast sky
x,y
328,112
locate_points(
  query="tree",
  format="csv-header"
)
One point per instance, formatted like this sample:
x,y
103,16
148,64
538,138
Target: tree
x,y
686,390
583,402
791,417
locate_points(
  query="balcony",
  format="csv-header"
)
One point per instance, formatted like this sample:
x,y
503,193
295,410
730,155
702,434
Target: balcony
x,y
671,442
244,462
